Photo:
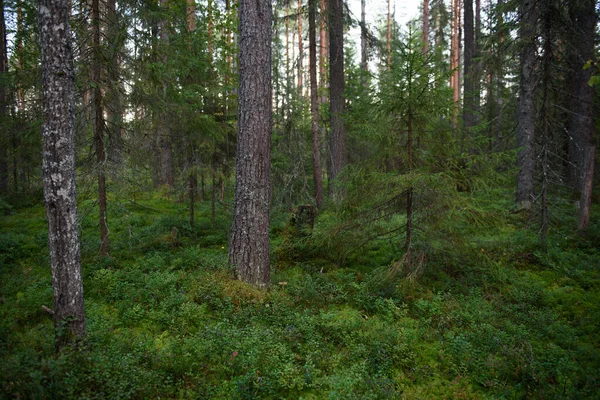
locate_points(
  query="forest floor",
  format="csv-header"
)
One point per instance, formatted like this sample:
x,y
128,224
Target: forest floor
x,y
165,318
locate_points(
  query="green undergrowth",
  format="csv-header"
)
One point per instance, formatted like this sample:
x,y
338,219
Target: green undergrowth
x,y
489,315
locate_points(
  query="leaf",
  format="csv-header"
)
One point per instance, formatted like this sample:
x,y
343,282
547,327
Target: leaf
x,y
594,80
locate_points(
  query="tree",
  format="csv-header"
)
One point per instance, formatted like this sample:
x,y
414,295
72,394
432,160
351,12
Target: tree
x,y
336,91
58,91
249,245
99,124
470,88
3,100
314,102
527,110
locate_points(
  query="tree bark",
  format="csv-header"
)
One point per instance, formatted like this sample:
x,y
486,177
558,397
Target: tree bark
x,y
585,201
336,92
167,175
115,106
58,92
300,51
389,34
3,101
363,44
323,51
249,245
425,26
314,102
99,126
582,111
469,67
526,116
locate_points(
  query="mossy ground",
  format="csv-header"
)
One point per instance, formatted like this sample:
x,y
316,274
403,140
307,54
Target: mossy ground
x,y
167,320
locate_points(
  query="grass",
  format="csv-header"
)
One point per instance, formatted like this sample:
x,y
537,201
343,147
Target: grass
x,y
494,318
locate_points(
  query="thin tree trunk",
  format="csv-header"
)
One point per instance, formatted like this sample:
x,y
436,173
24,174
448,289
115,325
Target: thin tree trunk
x,y
323,52
409,192
58,92
526,116
389,34
470,89
249,244
3,100
314,102
167,175
115,107
455,61
336,92
99,126
363,44
300,50
582,108
193,176
425,26
585,201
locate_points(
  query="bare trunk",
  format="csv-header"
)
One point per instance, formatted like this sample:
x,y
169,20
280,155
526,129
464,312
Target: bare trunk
x,y
167,175
425,26
455,61
314,102
585,201
58,157
389,34
582,117
115,106
336,91
300,50
323,52
3,100
249,244
99,125
526,117
363,44
469,107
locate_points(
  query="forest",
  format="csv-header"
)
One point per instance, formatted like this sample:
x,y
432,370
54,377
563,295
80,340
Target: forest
x,y
277,199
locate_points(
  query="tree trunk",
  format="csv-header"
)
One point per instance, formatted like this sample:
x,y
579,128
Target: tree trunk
x,y
99,125
425,26
585,201
336,91
323,51
363,44
455,59
314,102
58,92
115,106
3,101
582,109
389,34
300,51
469,67
249,244
526,116
167,175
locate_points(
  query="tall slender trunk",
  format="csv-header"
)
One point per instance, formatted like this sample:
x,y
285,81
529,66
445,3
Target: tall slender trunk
x,y
192,176
582,107
409,192
336,92
3,100
389,34
300,51
99,125
425,26
314,102
249,244
115,106
363,44
167,175
58,101
323,52
470,89
585,200
455,62
545,122
526,116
